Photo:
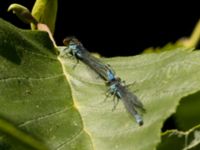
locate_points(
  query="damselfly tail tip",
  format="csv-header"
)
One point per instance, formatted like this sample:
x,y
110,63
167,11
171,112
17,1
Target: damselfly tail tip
x,y
139,120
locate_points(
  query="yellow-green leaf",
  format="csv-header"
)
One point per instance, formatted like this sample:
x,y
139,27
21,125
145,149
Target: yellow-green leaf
x,y
45,11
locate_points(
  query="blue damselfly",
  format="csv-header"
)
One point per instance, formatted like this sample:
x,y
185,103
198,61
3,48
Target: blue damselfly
x,y
116,86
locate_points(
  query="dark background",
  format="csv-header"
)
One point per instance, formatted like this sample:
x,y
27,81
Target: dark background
x,y
118,28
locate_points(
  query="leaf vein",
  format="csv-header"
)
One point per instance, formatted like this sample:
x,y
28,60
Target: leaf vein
x,y
45,116
28,78
74,137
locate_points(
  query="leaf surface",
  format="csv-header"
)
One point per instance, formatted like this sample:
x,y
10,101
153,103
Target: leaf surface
x,y
64,108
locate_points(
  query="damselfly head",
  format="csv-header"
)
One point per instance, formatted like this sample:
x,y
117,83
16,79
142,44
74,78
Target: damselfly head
x,y
71,40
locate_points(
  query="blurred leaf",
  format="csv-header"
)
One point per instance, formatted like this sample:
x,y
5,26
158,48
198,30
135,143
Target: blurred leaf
x,y
188,112
45,12
167,47
188,43
178,140
193,40
37,99
21,139
22,13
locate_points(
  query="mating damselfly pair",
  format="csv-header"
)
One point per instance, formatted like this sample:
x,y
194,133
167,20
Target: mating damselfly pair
x,y
115,85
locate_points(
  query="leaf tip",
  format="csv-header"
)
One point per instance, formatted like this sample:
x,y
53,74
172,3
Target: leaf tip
x,y
22,13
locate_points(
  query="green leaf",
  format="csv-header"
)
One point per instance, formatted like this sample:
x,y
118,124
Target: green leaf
x,y
64,108
45,11
34,93
178,140
188,112
161,81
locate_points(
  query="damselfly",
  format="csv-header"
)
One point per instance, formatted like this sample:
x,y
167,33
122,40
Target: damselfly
x,y
131,102
116,87
80,53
